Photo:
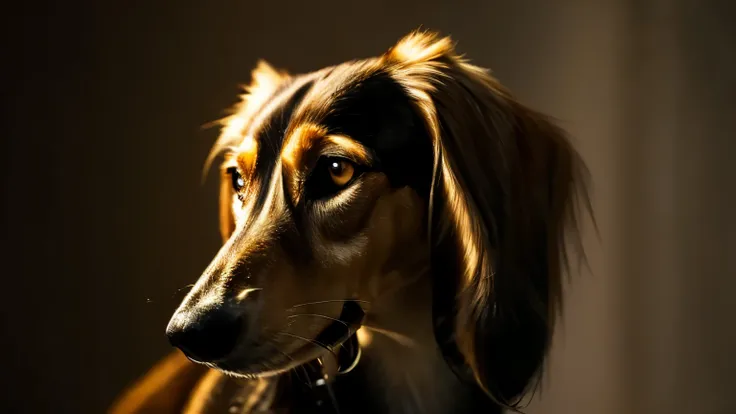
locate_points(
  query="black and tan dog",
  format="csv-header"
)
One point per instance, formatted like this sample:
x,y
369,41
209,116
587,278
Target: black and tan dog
x,y
407,198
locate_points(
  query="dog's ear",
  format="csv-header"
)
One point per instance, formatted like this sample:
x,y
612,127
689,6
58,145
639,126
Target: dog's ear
x,y
504,191
265,81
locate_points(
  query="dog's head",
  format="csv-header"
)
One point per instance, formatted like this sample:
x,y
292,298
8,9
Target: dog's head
x,y
334,179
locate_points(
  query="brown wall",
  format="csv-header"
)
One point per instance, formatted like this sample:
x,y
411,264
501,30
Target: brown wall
x,y
106,218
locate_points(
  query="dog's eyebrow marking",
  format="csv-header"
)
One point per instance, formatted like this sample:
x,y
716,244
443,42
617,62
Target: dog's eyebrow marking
x,y
247,155
299,141
351,147
308,136
243,157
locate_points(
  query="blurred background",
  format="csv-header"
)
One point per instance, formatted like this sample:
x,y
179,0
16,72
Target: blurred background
x,y
106,218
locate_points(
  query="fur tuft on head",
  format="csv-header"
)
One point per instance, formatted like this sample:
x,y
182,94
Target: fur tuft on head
x,y
265,81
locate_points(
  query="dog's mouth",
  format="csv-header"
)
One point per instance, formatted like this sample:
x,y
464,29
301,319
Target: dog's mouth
x,y
342,341
333,350
339,342
341,330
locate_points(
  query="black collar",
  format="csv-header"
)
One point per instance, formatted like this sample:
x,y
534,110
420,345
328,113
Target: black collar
x,y
316,394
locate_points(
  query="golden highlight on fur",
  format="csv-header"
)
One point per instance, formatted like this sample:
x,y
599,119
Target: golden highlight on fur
x,y
265,81
300,141
459,309
422,57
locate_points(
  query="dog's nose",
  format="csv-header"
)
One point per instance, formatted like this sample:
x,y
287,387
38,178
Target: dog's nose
x,y
207,337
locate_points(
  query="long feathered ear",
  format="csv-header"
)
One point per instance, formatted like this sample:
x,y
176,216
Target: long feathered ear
x,y
265,81
504,188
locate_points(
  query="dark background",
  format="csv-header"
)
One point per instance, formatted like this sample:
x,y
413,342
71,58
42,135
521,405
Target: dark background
x,y
106,218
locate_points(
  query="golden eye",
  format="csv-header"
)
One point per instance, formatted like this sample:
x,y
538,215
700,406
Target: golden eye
x,y
341,171
330,175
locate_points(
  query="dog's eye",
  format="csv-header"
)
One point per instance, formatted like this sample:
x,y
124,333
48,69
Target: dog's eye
x,y
330,175
341,171
236,179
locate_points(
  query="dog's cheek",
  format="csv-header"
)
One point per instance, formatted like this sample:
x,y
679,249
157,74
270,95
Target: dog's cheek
x,y
347,215
394,231
396,223
338,230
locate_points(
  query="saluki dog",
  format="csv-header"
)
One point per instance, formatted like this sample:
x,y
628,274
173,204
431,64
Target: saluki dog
x,y
395,230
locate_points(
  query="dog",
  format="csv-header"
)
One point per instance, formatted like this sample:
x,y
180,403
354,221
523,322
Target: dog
x,y
395,230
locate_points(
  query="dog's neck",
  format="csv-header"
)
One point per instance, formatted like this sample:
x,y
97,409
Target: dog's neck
x,y
402,359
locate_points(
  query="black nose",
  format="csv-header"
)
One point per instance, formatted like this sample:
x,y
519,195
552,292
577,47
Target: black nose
x,y
207,337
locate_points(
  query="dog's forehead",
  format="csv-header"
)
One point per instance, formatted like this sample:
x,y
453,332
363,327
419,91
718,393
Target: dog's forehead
x,y
265,98
302,110
307,99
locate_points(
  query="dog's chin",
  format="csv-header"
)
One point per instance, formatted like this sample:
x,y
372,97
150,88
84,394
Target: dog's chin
x,y
266,365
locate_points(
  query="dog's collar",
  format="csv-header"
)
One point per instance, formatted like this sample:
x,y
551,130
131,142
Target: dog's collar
x,y
343,357
348,355
324,371
315,392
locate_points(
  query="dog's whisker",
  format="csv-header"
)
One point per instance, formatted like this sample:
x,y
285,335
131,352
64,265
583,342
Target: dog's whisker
x,y
298,377
332,396
177,291
329,301
311,341
296,369
306,375
318,315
